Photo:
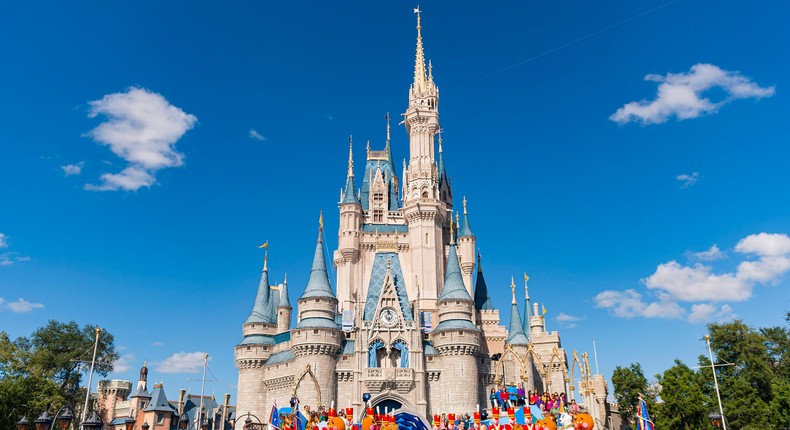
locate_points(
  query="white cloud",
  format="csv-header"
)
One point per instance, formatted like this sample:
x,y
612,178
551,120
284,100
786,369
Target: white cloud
x,y
3,241
688,179
705,312
629,304
2,300
142,128
123,363
255,135
712,254
182,362
565,317
73,169
22,306
681,95
698,284
157,343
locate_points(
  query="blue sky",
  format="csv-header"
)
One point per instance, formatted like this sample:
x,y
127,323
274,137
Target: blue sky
x,y
599,183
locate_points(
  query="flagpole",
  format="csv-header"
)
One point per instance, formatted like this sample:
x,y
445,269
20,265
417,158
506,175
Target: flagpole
x,y
716,383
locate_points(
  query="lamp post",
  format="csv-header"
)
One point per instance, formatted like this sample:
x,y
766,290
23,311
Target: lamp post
x,y
723,421
716,419
248,423
62,420
93,423
129,424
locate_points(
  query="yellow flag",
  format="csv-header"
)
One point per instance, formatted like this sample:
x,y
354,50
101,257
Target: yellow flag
x,y
265,245
544,310
321,219
526,278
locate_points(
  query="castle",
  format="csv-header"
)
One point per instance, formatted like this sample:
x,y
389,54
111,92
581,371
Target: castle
x,y
411,321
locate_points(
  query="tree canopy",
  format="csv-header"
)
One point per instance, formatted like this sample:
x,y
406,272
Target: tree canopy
x,y
45,371
752,366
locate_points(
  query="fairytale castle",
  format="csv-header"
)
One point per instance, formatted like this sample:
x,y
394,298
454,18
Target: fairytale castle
x,y
411,320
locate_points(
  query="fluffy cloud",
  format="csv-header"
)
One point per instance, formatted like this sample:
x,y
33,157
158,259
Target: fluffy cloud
x,y
142,128
182,362
673,282
3,241
705,312
629,304
255,135
123,363
73,169
682,95
565,317
22,306
712,254
687,179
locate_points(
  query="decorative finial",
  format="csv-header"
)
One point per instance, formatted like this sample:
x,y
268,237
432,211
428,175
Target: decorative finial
x,y
452,232
387,117
419,61
265,248
350,156
526,288
440,141
285,278
464,205
479,258
513,289
457,218
320,224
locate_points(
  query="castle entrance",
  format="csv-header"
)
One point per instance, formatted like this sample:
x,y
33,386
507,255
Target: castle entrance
x,y
387,404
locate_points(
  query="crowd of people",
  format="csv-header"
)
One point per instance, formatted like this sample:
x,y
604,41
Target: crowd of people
x,y
546,402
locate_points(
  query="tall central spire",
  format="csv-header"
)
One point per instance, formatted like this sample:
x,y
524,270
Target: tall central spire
x,y
420,82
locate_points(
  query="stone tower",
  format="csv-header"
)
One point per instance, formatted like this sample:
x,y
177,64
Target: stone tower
x,y
316,340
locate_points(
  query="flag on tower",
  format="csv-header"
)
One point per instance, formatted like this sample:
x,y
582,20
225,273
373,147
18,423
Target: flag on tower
x,y
544,310
642,418
274,417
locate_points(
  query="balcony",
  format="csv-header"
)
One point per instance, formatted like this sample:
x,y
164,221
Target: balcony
x,y
380,379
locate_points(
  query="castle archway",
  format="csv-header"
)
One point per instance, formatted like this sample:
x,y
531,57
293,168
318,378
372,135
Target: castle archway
x,y
391,402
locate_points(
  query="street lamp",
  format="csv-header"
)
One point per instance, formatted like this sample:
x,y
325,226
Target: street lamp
x,y
62,419
183,421
722,421
248,423
22,424
129,424
93,423
716,419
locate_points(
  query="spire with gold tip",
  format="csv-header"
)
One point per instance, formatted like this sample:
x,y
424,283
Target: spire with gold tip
x,y
516,334
350,194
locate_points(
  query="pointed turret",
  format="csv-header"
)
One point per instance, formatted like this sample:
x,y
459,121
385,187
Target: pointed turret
x,y
482,299
516,334
527,306
318,303
440,163
465,229
284,308
454,287
261,309
318,285
350,193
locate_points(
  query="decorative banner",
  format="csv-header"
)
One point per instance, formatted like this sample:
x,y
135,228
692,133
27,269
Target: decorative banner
x,y
427,321
348,320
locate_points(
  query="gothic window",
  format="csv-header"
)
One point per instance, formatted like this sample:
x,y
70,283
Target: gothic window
x,y
376,354
400,354
425,194
378,197
378,215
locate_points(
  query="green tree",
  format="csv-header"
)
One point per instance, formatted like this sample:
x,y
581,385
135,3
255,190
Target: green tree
x,y
46,370
684,403
629,383
746,386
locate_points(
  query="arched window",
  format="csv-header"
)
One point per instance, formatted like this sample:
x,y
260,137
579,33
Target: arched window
x,y
376,354
400,354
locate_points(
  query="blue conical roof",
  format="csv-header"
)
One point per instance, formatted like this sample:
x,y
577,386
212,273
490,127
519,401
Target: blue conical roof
x,y
454,287
318,285
350,194
285,302
482,299
261,310
516,334
465,230
527,315
159,401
